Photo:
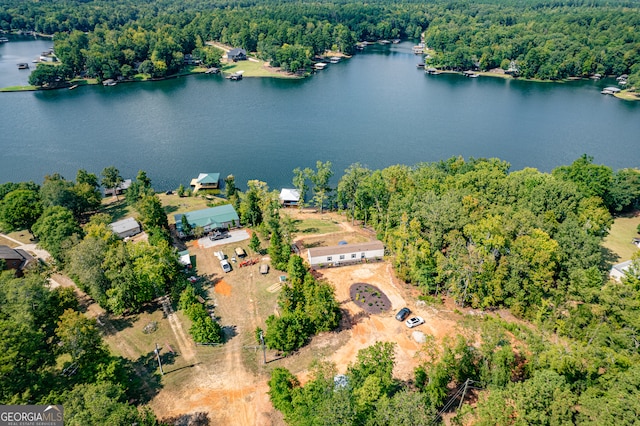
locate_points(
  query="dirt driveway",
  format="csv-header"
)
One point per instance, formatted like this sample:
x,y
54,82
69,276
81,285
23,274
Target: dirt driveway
x,y
368,329
230,382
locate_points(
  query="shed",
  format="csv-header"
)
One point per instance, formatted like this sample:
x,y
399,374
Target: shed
x,y
126,227
264,269
345,254
184,258
119,189
289,197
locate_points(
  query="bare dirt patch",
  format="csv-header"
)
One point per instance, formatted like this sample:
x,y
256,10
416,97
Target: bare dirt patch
x,y
229,382
222,288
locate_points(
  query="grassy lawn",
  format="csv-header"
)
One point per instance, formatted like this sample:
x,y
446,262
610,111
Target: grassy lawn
x,y
623,230
118,209
252,69
173,204
23,236
315,226
18,89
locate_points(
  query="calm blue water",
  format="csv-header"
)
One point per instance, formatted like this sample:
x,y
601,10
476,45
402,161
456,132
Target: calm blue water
x,y
377,109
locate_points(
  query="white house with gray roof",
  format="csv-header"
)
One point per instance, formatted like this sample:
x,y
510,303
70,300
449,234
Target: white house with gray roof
x,y
126,227
619,271
345,254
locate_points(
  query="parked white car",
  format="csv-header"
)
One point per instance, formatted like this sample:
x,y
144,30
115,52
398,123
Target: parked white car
x,y
414,322
226,267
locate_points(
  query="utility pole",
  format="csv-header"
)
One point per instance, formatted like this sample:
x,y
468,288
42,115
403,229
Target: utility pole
x,y
264,349
464,392
157,351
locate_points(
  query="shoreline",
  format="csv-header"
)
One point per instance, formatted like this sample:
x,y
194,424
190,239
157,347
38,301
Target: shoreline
x,y
624,94
226,69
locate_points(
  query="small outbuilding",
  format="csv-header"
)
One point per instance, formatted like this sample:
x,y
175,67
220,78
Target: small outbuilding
x,y
264,269
126,227
109,192
184,258
345,254
289,197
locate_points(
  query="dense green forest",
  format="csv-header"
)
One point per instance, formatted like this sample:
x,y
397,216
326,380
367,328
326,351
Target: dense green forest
x,y
490,238
471,230
546,39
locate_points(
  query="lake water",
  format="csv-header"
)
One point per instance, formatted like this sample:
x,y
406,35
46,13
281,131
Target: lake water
x,y
376,108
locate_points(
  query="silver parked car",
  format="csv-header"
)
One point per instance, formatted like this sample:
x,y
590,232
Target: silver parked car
x,y
414,322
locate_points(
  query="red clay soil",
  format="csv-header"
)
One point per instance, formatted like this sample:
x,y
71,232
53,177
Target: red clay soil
x,y
222,288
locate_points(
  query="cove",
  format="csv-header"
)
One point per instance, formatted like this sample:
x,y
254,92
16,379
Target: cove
x,y
376,108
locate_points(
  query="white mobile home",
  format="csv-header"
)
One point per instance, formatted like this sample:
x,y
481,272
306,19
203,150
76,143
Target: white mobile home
x,y
345,254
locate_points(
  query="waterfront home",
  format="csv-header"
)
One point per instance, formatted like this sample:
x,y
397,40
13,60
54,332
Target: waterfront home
x,y
16,259
124,185
237,54
206,181
345,254
126,227
220,217
190,60
289,197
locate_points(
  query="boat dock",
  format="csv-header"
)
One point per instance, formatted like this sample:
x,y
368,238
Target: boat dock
x,y
610,90
236,76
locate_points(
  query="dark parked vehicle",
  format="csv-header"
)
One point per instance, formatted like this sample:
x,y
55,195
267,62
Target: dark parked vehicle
x,y
402,314
219,236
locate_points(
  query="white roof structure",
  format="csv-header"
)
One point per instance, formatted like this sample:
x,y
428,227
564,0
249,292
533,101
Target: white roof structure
x,y
125,226
618,271
289,195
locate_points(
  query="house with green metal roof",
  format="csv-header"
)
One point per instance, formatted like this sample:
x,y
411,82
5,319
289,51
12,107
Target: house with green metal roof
x,y
206,181
220,217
